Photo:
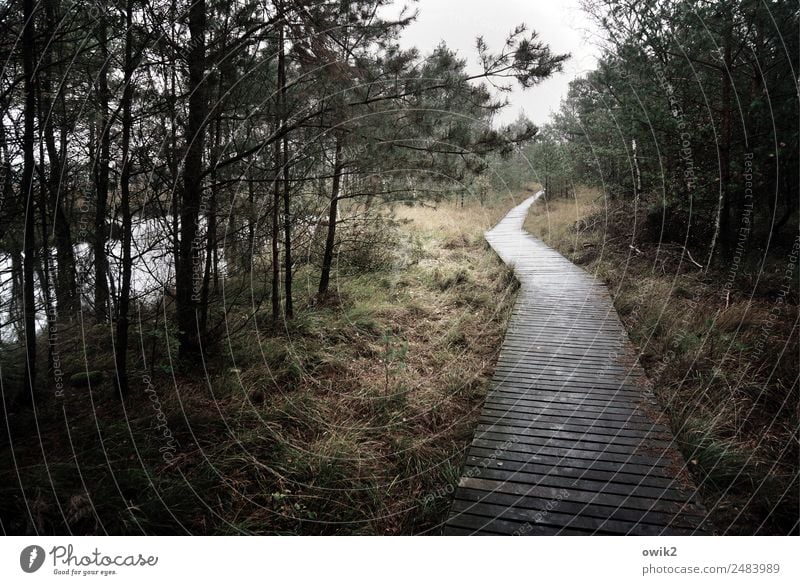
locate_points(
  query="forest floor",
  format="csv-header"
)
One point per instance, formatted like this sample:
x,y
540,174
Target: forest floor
x,y
350,419
721,353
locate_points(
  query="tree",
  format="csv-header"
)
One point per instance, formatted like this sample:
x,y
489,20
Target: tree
x,y
27,196
237,133
101,172
123,307
188,249
695,106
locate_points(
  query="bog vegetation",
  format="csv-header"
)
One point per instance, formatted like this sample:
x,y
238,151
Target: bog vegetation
x,y
243,282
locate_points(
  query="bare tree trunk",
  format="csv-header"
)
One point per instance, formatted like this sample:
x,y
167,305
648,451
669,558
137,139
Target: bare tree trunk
x,y
101,181
172,158
185,295
330,241
287,216
66,283
26,193
211,223
721,222
15,310
276,261
287,234
66,278
281,181
123,307
637,178
211,243
251,224
44,273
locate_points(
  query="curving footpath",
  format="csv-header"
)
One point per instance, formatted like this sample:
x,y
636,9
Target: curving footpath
x,y
570,440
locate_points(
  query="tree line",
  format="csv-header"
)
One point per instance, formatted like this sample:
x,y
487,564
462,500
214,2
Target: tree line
x,y
215,137
691,113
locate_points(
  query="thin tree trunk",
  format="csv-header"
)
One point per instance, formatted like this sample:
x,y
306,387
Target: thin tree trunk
x,y
211,242
172,158
251,224
211,213
123,307
185,295
287,236
721,221
26,192
280,168
101,182
44,274
15,314
287,216
330,241
637,178
66,278
66,282
276,261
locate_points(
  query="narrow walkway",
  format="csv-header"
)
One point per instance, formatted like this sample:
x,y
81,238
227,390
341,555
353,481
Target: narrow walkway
x,y
569,440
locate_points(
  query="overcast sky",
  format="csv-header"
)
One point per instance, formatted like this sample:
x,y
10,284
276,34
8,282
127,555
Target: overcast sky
x,y
560,23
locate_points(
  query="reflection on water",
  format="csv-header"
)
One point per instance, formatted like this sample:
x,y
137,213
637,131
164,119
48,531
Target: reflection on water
x,y
152,271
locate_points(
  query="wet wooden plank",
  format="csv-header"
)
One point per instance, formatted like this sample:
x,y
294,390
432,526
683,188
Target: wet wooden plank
x,y
510,501
569,440
571,468
549,518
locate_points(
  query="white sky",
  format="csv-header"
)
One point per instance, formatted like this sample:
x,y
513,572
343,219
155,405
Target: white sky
x,y
560,23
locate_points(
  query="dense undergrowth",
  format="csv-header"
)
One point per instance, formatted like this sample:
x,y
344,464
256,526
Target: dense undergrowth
x,y
350,419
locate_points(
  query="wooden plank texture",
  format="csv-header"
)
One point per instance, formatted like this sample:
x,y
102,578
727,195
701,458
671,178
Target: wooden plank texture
x,y
570,439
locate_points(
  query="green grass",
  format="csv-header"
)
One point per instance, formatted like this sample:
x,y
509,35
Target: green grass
x,y
350,419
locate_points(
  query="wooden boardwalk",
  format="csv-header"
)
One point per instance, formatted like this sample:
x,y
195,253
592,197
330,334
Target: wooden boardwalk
x,y
569,441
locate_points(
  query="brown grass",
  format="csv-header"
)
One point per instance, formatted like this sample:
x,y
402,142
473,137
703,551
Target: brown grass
x,y
352,419
562,223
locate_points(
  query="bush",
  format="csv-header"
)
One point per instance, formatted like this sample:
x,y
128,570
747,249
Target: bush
x,y
366,244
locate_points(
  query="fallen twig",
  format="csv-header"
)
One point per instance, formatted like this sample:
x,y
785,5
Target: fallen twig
x,y
689,254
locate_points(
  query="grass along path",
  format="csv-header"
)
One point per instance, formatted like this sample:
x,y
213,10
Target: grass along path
x,y
727,381
351,419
